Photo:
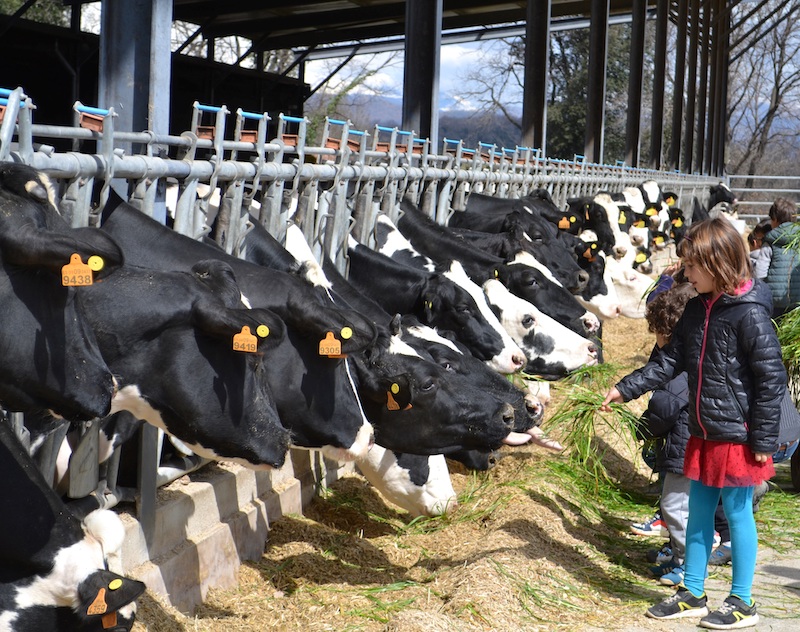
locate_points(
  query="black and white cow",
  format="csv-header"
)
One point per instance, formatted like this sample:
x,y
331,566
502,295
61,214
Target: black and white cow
x,y
718,194
53,567
314,394
169,339
50,356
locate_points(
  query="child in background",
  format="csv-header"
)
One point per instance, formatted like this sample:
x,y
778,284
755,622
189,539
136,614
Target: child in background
x,y
760,253
726,342
667,420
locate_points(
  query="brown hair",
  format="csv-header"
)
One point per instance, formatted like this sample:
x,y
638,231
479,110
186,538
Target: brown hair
x,y
783,210
665,309
716,247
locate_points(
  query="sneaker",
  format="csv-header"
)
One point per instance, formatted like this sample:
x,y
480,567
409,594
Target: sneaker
x,y
673,578
732,615
665,567
654,526
721,555
681,604
758,493
717,540
659,556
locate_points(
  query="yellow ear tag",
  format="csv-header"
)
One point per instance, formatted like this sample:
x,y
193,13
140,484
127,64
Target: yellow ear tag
x,y
76,273
670,201
572,219
109,620
245,341
659,240
115,584
639,224
391,404
346,333
496,273
650,212
99,605
96,263
395,388
622,218
641,257
563,223
262,331
594,246
677,222
330,346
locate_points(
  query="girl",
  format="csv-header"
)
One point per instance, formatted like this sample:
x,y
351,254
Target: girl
x,y
726,343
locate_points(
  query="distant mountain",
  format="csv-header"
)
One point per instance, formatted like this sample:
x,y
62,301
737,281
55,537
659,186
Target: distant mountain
x,y
454,122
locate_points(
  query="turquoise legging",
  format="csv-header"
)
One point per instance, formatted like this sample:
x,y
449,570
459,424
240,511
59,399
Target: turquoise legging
x,y
738,505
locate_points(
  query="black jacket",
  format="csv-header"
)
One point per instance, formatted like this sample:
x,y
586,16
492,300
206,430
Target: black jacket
x,y
667,421
732,356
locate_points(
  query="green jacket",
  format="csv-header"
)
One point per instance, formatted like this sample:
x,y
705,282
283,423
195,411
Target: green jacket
x,y
783,277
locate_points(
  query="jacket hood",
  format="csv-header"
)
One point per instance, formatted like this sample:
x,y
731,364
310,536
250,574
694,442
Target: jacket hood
x,y
759,293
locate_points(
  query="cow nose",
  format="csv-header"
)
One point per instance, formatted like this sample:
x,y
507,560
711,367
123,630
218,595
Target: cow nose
x,y
637,240
507,412
583,279
535,409
518,361
620,251
592,351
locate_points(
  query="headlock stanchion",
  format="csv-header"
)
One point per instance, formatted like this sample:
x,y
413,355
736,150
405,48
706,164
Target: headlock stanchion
x,y
331,191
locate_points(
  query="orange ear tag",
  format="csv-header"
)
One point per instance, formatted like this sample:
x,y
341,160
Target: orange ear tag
x,y
99,605
563,223
76,273
109,620
677,222
622,218
391,404
330,346
587,254
245,341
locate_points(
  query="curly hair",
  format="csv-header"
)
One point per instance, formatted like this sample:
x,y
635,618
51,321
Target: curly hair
x,y
715,246
665,309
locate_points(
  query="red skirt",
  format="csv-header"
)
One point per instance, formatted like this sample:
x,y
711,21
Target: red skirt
x,y
720,464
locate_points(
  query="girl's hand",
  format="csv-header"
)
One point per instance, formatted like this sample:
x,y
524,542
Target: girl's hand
x,y
761,457
612,396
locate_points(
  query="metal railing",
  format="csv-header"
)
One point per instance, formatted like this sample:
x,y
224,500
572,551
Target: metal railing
x,y
755,200
335,189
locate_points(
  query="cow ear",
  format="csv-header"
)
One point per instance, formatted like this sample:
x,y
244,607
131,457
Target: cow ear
x,y
104,592
213,318
396,325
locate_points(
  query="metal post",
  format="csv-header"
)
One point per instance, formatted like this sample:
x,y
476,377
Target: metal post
x,y
691,88
596,100
659,76
421,74
537,58
634,121
678,92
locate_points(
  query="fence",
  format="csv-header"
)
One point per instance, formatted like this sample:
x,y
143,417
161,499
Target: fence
x,y
333,190
756,198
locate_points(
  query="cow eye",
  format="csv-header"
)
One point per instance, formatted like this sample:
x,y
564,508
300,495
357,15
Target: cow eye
x,y
428,386
463,307
528,322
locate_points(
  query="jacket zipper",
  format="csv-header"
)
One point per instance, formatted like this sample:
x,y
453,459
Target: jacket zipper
x,y
708,305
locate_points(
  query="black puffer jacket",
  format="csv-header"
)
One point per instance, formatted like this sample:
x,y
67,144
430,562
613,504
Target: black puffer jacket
x,y
667,420
731,353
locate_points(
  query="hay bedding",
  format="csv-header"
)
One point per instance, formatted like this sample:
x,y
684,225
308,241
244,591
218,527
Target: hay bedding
x,y
517,555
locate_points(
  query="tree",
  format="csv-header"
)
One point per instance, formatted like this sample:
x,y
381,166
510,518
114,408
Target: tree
x,y
762,133
47,11
496,84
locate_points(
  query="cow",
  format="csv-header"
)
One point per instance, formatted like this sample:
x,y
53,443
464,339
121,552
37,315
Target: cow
x,y
542,236
54,567
437,300
315,394
169,337
50,357
717,194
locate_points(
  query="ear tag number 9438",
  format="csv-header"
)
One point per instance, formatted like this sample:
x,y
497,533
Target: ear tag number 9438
x,y
76,273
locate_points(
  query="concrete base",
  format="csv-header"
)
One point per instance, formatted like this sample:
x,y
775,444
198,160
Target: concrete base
x,y
209,521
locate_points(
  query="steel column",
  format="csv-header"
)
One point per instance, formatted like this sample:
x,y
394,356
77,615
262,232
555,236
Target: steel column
x,y
421,68
634,120
596,97
702,97
678,91
691,88
659,77
537,62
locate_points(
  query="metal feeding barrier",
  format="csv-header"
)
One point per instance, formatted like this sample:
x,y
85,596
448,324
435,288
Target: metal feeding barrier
x,y
271,174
